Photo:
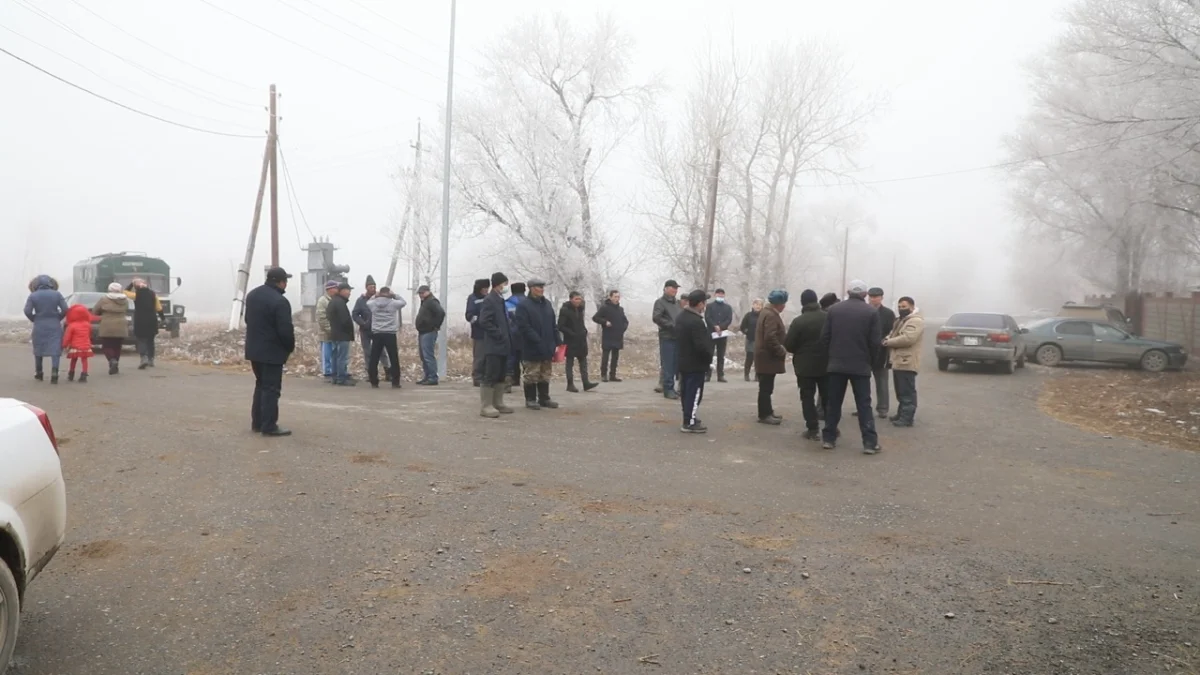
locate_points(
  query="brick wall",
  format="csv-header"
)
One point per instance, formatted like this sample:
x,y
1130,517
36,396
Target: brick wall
x,y
1165,316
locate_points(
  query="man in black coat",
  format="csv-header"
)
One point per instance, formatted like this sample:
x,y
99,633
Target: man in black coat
x,y
574,331
613,324
497,344
341,334
719,317
147,311
810,359
695,343
851,335
270,340
534,321
429,321
887,319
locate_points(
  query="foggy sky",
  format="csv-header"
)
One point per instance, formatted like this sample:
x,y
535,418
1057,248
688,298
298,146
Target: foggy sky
x,y
80,177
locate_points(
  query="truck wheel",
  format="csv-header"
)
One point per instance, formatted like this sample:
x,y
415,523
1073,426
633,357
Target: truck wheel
x,y
10,615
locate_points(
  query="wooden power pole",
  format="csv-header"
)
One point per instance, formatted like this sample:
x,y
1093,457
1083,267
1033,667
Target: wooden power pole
x,y
273,139
711,217
268,168
413,199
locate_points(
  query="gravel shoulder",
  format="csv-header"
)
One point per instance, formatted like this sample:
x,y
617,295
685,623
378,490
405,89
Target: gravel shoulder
x,y
400,532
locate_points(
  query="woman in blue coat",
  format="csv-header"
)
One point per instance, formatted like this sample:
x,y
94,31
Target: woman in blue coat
x,y
46,308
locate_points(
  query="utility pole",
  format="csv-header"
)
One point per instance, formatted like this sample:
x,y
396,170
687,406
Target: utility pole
x,y
412,204
711,216
845,257
273,135
893,288
243,275
443,346
414,239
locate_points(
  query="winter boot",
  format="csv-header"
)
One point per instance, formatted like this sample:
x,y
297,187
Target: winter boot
x,y
113,367
531,401
543,391
498,401
145,363
588,386
604,377
83,379
486,398
38,376
70,376
571,382
54,376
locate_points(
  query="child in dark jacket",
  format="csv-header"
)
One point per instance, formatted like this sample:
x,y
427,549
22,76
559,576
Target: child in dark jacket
x,y
77,341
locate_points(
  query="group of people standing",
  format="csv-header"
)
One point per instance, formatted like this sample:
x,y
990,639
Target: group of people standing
x,y
835,345
375,319
57,327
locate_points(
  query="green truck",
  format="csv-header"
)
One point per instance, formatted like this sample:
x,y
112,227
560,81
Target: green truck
x,y
92,276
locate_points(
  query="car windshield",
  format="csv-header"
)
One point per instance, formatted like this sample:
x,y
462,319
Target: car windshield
x,y
157,282
988,321
1041,322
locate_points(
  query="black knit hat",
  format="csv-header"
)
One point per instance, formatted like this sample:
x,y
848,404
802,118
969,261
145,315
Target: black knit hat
x,y
808,296
498,278
370,281
518,287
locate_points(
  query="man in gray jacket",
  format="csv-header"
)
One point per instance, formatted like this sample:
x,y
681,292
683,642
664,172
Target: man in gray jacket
x,y
666,310
384,309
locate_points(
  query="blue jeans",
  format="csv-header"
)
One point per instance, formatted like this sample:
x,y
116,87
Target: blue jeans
x,y
427,342
327,359
341,361
668,359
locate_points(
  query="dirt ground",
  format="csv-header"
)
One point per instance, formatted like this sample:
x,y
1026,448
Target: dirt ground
x,y
399,532
1156,407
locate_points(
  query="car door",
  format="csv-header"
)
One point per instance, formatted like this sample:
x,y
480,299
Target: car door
x,y
1076,339
1113,345
1015,335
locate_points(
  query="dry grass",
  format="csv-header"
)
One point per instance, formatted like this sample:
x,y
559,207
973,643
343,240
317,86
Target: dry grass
x,y
1125,403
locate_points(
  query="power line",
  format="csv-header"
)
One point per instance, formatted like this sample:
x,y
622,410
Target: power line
x,y
119,85
163,51
315,52
122,105
191,89
290,186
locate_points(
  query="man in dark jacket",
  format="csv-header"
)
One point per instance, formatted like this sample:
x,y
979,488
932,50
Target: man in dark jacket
x,y
428,322
879,369
573,326
474,300
270,340
362,317
809,359
497,345
665,311
341,334
851,335
770,356
695,341
719,317
515,296
613,324
534,321
147,311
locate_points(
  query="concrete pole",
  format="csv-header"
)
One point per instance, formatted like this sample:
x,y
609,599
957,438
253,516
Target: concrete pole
x,y
443,344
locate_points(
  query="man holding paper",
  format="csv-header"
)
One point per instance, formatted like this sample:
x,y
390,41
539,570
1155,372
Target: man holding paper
x,y
719,317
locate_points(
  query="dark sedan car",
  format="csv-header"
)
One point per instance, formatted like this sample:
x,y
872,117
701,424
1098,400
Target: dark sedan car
x,y
1058,340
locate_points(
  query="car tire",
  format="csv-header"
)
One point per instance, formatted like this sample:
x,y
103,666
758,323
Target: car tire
x,y
1021,359
943,365
1008,367
1154,361
10,615
1049,355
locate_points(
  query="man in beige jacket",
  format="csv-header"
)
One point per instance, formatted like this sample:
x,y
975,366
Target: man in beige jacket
x,y
904,347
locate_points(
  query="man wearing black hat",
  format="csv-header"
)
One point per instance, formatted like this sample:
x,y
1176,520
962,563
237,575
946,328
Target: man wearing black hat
x,y
362,317
539,338
474,300
270,340
695,341
429,321
719,317
879,369
666,310
341,334
497,339
809,359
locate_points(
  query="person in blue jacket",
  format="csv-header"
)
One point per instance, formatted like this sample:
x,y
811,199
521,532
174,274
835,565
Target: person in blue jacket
x,y
46,308
514,360
474,301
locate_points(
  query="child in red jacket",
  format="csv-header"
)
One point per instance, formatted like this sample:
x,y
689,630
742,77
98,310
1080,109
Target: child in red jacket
x,y
77,340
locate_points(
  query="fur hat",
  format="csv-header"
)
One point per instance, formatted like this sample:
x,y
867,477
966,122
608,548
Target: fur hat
x,y
481,284
498,278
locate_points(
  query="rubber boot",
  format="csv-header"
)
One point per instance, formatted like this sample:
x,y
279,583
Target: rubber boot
x,y
531,401
498,401
54,376
486,398
83,378
70,376
543,390
571,382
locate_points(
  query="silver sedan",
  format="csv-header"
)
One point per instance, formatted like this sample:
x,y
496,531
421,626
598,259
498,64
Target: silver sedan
x,y
979,337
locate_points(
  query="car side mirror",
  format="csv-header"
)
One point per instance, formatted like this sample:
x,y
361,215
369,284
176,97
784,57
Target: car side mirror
x,y
178,282
1024,330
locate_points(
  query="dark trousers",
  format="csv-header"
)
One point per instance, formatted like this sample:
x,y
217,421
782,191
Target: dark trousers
x,y
882,402
477,361
766,387
861,385
146,350
111,347
583,369
749,364
906,395
380,343
514,367
720,346
812,398
691,393
268,384
608,362
366,339
668,362
495,369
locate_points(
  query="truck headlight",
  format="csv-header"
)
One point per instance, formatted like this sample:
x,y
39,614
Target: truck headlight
x,y
178,310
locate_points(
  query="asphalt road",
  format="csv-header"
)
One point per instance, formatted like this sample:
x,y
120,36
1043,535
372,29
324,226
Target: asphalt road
x,y
398,532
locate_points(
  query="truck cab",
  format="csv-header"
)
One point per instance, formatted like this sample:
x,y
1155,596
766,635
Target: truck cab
x,y
92,276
